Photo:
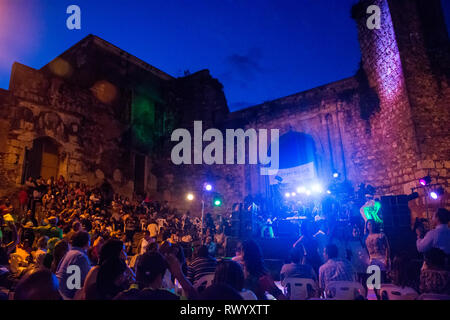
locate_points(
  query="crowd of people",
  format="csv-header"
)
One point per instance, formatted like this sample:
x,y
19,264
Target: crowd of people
x,y
69,241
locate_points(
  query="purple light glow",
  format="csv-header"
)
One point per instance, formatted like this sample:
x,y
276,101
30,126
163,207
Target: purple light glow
x,y
433,195
389,68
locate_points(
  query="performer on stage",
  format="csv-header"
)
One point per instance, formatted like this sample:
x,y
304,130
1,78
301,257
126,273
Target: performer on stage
x,y
370,210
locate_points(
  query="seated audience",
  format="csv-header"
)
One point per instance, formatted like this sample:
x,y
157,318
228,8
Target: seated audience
x,y
257,278
150,271
221,291
202,265
230,273
434,276
38,285
297,268
157,239
75,264
334,269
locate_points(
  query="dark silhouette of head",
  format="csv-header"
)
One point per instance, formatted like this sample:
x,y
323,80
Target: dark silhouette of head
x,y
38,285
230,273
220,292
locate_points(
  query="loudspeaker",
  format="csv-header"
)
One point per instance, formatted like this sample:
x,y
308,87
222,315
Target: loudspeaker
x,y
397,224
395,211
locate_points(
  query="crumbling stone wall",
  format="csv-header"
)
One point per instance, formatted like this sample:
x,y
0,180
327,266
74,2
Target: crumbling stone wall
x,y
404,136
414,100
87,131
387,125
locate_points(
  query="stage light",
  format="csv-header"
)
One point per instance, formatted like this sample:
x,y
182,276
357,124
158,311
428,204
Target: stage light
x,y
336,175
287,194
308,193
317,188
425,180
190,196
436,193
293,194
207,186
301,189
217,203
328,191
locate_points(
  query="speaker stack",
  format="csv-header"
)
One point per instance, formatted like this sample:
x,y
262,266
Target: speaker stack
x,y
397,224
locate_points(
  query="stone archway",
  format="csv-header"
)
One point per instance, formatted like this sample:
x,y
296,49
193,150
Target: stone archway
x,y
295,149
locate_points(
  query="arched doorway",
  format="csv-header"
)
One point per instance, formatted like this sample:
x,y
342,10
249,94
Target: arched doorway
x,y
297,158
295,149
298,167
42,159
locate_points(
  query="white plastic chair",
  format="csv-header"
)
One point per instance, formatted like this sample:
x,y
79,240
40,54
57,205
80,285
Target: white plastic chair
x,y
394,292
433,296
297,288
344,290
204,282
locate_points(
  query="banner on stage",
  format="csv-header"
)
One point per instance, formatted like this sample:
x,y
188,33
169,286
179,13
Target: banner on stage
x,y
297,174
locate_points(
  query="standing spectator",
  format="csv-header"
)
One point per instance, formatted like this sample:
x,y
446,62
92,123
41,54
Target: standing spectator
x,y
378,247
359,257
23,200
439,237
310,246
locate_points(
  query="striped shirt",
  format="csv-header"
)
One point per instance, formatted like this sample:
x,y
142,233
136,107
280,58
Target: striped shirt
x,y
199,267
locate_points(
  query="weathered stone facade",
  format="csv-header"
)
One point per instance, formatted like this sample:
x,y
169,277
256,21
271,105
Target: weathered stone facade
x,y
111,115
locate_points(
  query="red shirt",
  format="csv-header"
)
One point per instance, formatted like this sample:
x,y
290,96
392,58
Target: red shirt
x,y
23,196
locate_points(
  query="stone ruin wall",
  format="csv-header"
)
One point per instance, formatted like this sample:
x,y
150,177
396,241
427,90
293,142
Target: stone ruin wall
x,y
414,111
405,138
87,132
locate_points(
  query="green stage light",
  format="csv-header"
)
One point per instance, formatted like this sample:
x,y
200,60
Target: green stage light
x,y
217,202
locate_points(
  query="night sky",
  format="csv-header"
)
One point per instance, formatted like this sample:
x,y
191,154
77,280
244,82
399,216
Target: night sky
x,y
259,50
